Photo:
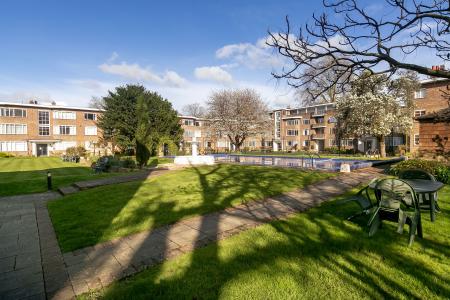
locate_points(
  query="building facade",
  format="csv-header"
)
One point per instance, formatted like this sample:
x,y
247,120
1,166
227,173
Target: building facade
x,y
432,97
43,130
307,128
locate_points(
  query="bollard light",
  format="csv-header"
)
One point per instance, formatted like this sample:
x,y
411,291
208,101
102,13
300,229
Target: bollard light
x,y
49,180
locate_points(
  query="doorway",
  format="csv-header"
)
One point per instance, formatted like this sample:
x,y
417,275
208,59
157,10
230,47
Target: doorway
x,y
42,150
320,145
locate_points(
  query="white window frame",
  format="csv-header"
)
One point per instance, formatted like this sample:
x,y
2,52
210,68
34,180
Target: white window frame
x,y
64,115
90,113
12,112
87,132
292,132
306,132
11,129
420,94
419,112
13,146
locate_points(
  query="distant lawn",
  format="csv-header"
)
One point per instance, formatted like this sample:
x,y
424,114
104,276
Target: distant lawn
x,y
108,212
24,175
313,255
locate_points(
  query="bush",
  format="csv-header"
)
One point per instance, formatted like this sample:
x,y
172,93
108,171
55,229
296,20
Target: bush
x,y
439,170
127,162
76,151
5,155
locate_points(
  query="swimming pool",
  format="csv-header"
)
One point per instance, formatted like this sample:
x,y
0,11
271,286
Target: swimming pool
x,y
329,164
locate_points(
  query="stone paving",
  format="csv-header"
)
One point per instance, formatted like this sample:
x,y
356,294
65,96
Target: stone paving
x,y
21,274
32,265
96,267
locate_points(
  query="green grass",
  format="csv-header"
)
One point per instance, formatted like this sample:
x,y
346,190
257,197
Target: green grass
x,y
108,212
313,255
24,175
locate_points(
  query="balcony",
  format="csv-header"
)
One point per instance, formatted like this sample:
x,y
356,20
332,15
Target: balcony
x,y
319,113
318,125
318,136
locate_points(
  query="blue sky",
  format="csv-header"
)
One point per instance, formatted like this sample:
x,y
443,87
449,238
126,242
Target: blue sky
x,y
70,51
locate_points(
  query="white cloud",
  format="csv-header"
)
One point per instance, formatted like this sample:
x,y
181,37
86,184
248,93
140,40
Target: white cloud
x,y
258,55
136,72
214,73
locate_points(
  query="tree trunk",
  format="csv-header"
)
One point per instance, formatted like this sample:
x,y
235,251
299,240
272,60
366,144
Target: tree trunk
x,y
382,146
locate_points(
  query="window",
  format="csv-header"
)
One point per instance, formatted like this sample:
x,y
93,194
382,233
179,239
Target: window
x,y
306,143
13,129
188,133
332,142
44,122
292,122
333,130
13,112
251,144
306,122
64,115
306,132
90,130
222,144
320,120
12,146
44,130
44,118
197,123
416,139
65,130
347,142
62,146
90,116
420,94
188,122
418,113
292,132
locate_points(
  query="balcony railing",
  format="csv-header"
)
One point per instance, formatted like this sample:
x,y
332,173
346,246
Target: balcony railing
x,y
318,125
319,113
318,136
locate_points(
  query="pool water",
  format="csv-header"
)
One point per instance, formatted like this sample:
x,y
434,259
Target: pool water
x,y
329,164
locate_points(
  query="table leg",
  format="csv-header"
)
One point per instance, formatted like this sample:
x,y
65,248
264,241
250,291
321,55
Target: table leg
x,y
432,207
419,227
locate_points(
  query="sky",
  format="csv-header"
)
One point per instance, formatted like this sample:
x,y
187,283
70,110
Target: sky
x,y
71,51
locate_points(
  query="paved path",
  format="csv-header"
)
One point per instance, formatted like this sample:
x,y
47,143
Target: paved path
x,y
89,184
32,265
96,267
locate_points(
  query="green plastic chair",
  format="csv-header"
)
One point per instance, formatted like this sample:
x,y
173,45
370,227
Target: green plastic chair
x,y
397,202
363,199
424,200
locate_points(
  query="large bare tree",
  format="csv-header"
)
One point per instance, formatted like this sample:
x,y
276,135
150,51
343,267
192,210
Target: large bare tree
x,y
355,39
238,114
194,110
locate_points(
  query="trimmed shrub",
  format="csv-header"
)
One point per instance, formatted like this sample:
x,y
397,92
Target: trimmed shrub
x,y
5,155
128,162
439,170
76,151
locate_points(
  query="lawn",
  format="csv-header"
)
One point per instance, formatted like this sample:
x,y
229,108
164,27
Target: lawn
x,y
108,212
24,175
313,255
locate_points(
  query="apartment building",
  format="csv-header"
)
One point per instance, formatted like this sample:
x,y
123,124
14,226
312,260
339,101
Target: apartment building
x,y
307,128
432,96
43,130
209,141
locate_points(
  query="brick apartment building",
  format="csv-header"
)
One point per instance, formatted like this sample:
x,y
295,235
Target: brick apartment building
x,y
211,142
309,128
432,97
42,130
35,129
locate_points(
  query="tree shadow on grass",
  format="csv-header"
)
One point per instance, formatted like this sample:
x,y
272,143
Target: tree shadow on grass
x,y
323,256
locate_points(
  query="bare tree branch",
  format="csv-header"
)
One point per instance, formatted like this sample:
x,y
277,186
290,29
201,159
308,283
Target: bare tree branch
x,y
362,42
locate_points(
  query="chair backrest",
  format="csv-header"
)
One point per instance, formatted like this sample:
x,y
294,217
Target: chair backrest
x,y
395,193
416,174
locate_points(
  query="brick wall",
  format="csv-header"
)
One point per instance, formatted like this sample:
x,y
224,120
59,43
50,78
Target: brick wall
x,y
434,100
428,130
